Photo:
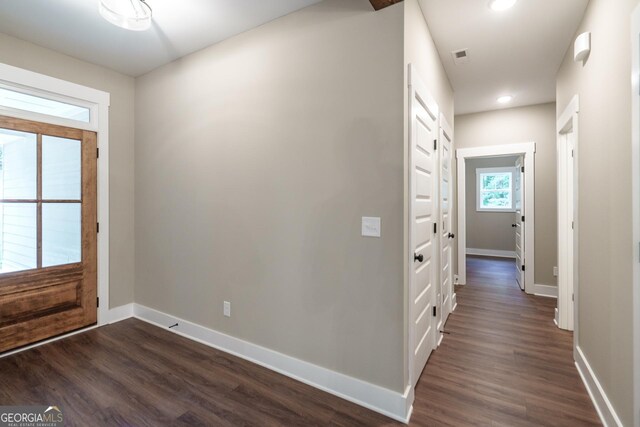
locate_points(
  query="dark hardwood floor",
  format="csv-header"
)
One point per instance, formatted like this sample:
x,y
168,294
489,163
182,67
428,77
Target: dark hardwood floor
x,y
504,363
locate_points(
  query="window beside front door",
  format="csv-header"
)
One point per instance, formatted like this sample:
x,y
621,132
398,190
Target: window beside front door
x,y
40,201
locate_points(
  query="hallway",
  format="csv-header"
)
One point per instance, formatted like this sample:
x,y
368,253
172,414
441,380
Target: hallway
x,y
503,362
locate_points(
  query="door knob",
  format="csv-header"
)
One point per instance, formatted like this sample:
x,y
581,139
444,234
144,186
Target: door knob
x,y
514,225
417,257
452,236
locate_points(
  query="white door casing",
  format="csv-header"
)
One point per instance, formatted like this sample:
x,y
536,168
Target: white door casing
x,y
635,196
518,187
567,149
446,233
423,218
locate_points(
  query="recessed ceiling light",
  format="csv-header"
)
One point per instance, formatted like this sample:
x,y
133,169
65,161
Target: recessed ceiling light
x,y
132,15
505,99
500,5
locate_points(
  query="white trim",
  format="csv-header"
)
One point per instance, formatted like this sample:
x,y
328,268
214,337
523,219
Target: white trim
x,y
555,316
118,314
546,291
527,149
483,171
568,288
99,102
454,302
393,404
491,252
600,400
635,191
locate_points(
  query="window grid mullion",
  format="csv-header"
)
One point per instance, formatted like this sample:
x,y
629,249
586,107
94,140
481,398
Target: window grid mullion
x,y
39,201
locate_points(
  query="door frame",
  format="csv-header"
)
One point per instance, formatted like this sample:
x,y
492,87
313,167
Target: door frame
x,y
526,149
567,316
446,131
635,189
98,102
415,84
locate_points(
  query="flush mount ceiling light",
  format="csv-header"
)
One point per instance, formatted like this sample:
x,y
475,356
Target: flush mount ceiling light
x,y
505,99
132,15
500,5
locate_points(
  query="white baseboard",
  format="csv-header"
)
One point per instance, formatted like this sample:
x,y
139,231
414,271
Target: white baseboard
x,y
120,313
555,318
491,252
454,302
605,410
545,291
387,402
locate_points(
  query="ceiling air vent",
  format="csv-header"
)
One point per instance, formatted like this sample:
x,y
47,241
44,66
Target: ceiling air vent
x,y
460,56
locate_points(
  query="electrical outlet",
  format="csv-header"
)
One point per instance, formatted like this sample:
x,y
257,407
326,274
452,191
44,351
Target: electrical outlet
x,y
555,271
227,309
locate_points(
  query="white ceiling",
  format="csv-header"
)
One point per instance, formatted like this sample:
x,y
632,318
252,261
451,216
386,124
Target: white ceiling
x,y
516,52
74,27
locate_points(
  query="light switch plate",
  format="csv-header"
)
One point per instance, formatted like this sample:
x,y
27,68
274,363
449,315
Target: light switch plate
x,y
371,226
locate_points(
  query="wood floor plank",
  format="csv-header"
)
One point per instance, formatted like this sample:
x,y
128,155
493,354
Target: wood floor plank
x,y
504,359
503,364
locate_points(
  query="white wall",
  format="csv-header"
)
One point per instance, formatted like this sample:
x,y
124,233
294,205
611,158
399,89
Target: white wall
x,y
604,201
255,160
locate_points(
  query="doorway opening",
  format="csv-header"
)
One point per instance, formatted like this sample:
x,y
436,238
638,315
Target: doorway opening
x,y
494,219
496,212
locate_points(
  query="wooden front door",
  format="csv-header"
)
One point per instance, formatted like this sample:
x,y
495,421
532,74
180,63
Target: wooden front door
x,y
48,226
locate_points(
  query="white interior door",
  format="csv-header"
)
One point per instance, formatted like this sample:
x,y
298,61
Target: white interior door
x,y
518,200
423,223
446,235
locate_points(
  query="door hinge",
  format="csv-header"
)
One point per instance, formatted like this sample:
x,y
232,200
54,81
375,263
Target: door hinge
x,y
98,302
97,227
435,311
522,169
435,144
573,297
572,225
435,228
572,154
522,218
523,268
97,153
